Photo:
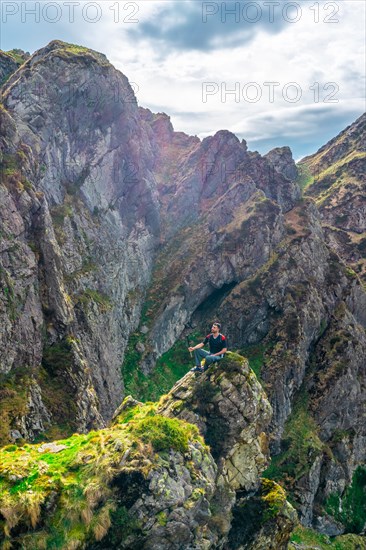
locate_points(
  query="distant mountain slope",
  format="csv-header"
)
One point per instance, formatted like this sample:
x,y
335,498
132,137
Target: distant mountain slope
x,y
336,177
10,62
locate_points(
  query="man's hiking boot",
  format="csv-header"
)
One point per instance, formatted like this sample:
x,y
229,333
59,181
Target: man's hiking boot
x,y
197,369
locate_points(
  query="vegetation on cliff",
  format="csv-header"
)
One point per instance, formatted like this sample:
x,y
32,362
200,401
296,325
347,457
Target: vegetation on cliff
x,y
350,508
65,494
307,539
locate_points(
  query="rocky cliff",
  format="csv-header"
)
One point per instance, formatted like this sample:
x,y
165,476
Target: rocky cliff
x,y
150,480
79,224
121,239
95,186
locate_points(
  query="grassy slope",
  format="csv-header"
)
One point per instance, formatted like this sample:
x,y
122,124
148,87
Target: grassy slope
x,y
331,168
170,367
76,482
308,539
335,177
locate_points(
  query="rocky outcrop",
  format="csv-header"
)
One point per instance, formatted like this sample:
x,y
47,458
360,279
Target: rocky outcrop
x,y
282,161
150,481
80,221
255,527
231,410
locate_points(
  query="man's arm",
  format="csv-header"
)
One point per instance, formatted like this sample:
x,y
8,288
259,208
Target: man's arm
x,y
224,350
196,347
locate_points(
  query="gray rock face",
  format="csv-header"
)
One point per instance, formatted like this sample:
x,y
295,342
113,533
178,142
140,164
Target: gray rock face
x,y
197,502
281,159
80,218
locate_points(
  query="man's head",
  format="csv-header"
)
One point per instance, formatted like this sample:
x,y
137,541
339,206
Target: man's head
x,y
216,328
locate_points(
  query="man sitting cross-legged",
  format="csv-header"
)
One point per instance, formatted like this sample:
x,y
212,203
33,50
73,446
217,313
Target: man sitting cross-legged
x,y
218,347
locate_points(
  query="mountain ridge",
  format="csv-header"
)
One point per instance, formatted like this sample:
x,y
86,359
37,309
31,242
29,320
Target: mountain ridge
x,y
121,238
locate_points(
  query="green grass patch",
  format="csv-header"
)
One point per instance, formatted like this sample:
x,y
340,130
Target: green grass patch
x,y
75,49
77,53
255,355
78,481
170,367
89,296
304,176
166,433
310,539
350,508
134,380
330,178
17,56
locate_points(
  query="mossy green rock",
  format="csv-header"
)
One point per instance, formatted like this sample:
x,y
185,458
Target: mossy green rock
x,y
230,408
150,480
264,521
75,492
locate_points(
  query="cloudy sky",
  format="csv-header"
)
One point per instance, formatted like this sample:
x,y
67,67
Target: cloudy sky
x,y
273,72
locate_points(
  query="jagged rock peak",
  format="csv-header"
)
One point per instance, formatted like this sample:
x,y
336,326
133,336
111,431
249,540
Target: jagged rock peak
x,y
160,123
230,408
282,160
224,137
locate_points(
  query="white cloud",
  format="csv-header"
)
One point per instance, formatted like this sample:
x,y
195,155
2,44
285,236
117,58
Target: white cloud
x,y
170,78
